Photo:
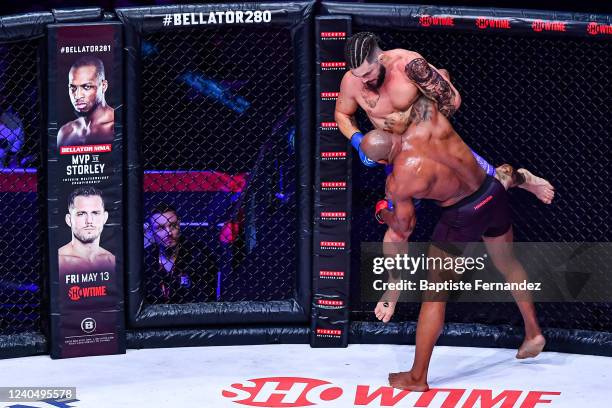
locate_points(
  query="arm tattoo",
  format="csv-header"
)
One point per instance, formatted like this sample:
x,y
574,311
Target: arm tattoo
x,y
434,86
421,110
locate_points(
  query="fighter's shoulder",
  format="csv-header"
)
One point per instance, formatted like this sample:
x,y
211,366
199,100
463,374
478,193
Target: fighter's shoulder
x,y
402,56
68,127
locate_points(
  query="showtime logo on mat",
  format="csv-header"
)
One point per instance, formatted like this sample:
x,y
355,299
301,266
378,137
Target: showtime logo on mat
x,y
541,25
428,21
281,392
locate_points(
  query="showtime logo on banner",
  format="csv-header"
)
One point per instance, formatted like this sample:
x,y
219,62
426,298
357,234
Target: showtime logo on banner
x,y
484,23
541,25
295,392
333,35
428,21
333,66
329,96
595,28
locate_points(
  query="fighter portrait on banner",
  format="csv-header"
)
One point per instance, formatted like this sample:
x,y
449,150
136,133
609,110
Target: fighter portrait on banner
x,y
86,218
87,86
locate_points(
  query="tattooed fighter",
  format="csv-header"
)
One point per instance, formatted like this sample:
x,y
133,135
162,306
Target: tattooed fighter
x,y
385,84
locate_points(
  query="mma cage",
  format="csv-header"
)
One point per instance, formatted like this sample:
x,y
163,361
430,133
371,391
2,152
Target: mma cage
x,y
231,123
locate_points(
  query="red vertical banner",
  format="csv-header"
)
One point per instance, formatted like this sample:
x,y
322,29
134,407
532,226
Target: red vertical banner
x,y
84,181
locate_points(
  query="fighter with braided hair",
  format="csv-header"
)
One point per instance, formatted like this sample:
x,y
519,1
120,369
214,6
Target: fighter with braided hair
x,y
386,84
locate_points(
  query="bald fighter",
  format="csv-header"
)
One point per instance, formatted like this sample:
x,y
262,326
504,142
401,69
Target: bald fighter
x,y
431,161
87,86
86,218
385,84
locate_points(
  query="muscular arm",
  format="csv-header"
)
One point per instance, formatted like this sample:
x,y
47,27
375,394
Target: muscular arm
x,y
433,84
346,106
401,220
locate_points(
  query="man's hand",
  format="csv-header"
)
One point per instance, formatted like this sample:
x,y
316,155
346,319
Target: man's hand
x,y
396,122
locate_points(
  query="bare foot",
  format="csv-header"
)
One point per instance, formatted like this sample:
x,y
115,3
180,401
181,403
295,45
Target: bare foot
x,y
531,347
538,186
405,381
384,311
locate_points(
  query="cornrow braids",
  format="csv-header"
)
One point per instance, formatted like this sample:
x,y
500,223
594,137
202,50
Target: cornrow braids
x,y
358,48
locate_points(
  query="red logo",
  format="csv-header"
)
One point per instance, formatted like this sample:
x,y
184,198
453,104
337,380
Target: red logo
x,y
331,274
331,304
428,21
100,148
333,185
329,96
76,293
595,28
333,35
282,392
333,155
333,66
328,333
484,22
332,244
333,215
329,125
276,392
541,25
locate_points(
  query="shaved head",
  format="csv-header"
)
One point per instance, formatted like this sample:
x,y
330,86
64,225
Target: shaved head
x,y
377,145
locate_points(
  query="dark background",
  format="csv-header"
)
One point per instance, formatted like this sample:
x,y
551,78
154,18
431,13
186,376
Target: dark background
x,y
592,6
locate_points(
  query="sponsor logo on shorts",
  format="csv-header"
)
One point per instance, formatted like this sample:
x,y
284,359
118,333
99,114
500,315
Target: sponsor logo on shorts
x,y
484,22
217,17
335,245
333,35
329,126
327,156
330,304
428,21
542,25
483,202
333,185
333,216
76,293
329,96
331,274
296,392
333,66
595,28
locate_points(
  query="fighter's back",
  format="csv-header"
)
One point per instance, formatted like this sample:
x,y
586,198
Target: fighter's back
x,y
434,162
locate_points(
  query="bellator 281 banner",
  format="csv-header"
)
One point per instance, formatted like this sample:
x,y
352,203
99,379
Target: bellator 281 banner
x,y
84,169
